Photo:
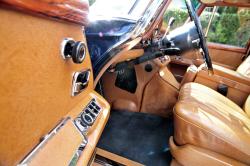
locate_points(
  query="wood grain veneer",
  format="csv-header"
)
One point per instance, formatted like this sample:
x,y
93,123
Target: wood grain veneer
x,y
239,3
116,158
74,10
226,55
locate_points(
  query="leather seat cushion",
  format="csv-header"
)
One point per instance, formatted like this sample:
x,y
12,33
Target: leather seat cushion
x,y
205,118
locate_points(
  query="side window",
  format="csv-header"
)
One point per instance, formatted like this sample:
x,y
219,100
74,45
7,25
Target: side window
x,y
230,25
91,2
178,10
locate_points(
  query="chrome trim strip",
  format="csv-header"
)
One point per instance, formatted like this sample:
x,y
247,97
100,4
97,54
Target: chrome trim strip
x,y
44,140
62,47
76,86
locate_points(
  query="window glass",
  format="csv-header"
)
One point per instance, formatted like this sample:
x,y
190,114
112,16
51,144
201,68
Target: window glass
x,y
132,9
230,25
91,2
178,10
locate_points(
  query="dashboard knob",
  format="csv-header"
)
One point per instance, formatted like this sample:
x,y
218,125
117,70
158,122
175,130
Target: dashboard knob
x,y
78,52
73,49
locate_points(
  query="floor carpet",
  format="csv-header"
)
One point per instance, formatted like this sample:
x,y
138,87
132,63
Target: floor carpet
x,y
139,137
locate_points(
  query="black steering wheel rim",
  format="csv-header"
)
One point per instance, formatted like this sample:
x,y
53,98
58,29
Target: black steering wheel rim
x,y
203,43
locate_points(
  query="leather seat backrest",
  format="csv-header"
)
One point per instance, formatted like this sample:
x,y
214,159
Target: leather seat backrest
x,y
246,106
244,67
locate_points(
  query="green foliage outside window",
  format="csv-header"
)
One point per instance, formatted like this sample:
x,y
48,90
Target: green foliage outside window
x,y
230,25
180,16
91,2
195,3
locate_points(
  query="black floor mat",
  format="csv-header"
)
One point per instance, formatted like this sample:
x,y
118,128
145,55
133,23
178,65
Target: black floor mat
x,y
139,137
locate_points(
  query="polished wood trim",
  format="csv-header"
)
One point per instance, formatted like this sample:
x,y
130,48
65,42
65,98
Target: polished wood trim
x,y
196,62
225,47
243,3
226,66
73,10
116,158
200,9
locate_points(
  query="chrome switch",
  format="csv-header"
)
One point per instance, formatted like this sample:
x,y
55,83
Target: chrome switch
x,y
80,81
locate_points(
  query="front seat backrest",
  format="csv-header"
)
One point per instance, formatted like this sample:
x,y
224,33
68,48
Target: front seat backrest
x,y
244,67
246,106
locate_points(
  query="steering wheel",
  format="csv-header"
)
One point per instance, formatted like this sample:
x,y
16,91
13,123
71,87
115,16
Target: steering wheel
x,y
202,43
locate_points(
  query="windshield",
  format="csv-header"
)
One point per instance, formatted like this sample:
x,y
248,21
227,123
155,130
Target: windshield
x,y
130,9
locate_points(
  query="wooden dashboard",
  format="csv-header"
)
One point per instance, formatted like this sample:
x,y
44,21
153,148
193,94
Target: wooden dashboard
x,y
36,83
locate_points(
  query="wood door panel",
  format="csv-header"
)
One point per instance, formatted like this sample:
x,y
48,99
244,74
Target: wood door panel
x,y
226,55
223,55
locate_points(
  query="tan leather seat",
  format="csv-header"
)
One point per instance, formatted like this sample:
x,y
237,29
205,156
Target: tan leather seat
x,y
237,81
241,75
205,119
244,68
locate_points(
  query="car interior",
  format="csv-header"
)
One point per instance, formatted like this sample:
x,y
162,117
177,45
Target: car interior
x,y
156,87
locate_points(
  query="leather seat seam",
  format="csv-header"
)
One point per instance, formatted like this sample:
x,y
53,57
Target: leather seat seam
x,y
197,126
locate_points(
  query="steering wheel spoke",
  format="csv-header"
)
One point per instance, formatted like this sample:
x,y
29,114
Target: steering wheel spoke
x,y
203,43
